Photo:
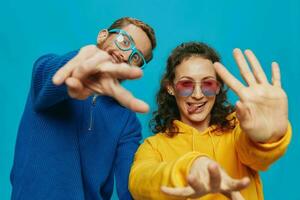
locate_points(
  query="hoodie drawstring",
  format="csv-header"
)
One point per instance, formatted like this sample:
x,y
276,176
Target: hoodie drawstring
x,y
193,141
212,142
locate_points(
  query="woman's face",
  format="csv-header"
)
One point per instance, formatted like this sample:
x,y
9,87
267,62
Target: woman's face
x,y
194,109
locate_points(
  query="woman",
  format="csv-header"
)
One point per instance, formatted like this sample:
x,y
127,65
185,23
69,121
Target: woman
x,y
203,146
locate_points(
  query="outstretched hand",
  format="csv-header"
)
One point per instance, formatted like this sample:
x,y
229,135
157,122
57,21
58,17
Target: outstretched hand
x,y
205,177
93,70
263,108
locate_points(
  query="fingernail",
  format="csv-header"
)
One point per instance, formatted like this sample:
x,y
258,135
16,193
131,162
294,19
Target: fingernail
x,y
235,50
57,79
247,51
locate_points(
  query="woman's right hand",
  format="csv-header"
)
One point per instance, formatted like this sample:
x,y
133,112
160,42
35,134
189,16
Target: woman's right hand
x,y
206,176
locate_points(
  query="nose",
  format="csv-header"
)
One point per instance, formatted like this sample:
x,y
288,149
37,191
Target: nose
x,y
197,93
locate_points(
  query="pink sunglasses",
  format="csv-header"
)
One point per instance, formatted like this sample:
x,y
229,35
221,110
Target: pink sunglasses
x,y
209,87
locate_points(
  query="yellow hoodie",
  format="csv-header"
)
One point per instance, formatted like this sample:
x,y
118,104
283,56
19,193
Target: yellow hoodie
x,y
163,160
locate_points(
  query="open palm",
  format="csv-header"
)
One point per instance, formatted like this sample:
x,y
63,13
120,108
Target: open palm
x,y
262,109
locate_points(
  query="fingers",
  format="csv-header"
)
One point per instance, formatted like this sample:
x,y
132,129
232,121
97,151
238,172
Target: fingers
x,y
235,184
121,71
210,183
111,87
117,71
64,72
233,195
214,177
89,66
85,54
256,67
243,66
179,192
236,196
241,111
276,79
125,98
230,184
196,184
74,83
228,78
76,89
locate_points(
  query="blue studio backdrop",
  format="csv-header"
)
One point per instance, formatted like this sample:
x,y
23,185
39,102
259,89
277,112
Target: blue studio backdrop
x,y
29,29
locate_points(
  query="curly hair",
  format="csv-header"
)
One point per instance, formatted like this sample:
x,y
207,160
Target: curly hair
x,y
167,111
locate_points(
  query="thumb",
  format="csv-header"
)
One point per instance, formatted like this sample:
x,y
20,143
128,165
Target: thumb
x,y
241,111
236,196
64,72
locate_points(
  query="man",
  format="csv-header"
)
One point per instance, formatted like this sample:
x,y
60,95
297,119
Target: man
x,y
71,143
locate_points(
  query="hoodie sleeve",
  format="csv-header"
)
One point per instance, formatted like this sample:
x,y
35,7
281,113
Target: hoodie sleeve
x,y
259,156
149,172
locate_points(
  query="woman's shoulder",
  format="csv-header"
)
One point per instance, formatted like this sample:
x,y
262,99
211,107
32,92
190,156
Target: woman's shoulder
x,y
156,139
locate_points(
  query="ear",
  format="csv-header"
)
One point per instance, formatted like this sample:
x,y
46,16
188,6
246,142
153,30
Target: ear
x,y
170,90
102,36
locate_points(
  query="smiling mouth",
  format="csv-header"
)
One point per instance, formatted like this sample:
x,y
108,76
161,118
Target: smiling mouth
x,y
114,57
195,107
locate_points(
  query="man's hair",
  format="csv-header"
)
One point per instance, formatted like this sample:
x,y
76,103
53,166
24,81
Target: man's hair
x,y
122,22
167,112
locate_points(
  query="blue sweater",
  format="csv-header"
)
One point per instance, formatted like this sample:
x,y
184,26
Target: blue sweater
x,y
69,149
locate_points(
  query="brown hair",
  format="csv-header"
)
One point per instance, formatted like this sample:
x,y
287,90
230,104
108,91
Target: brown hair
x,y
167,112
122,22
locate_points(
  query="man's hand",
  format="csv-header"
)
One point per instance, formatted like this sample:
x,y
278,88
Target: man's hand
x,y
205,177
93,70
262,109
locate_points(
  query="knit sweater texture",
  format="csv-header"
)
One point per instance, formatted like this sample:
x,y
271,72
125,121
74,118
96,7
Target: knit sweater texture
x,y
70,149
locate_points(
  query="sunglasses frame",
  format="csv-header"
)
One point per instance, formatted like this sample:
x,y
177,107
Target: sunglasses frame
x,y
205,93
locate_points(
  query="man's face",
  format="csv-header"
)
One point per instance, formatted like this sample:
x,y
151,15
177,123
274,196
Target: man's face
x,y
139,37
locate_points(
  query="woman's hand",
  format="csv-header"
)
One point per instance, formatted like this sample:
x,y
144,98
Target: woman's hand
x,y
205,177
263,108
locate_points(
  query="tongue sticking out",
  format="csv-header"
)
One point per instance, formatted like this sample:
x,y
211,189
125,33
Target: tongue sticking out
x,y
194,108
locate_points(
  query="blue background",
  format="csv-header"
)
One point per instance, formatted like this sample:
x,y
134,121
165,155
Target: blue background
x,y
31,28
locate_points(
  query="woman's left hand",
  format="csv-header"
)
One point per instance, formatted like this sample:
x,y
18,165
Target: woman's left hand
x,y
206,176
263,107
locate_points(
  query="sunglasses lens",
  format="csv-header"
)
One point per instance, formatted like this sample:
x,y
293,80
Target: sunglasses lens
x,y
210,87
185,88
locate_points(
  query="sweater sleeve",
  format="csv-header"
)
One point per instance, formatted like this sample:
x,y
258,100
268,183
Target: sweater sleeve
x,y
259,156
43,92
127,146
149,172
